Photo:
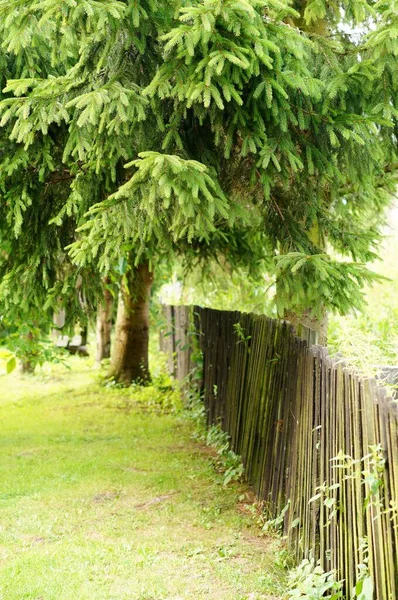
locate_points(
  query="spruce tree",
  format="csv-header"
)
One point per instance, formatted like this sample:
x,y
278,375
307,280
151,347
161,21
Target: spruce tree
x,y
93,123
177,127
324,155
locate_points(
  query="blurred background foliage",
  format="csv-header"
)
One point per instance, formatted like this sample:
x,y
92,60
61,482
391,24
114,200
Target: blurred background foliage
x,y
370,337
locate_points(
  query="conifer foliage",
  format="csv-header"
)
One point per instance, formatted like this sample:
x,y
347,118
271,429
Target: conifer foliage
x,y
145,128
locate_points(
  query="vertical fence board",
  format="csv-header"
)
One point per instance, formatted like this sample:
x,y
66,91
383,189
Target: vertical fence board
x,y
303,424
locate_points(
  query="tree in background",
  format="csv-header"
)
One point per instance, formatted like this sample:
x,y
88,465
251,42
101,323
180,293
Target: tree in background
x,y
103,324
35,270
248,118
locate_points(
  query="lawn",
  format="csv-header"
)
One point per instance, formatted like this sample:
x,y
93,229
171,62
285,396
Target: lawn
x,y
105,495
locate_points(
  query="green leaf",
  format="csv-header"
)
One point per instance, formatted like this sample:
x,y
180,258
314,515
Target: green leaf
x,y
11,364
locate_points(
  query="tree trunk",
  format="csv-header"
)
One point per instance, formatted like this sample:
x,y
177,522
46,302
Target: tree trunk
x,y
27,365
130,350
104,326
83,335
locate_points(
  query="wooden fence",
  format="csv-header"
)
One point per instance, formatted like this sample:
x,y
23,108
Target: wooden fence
x,y
318,442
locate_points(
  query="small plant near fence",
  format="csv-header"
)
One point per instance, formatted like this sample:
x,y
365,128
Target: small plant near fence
x,y
226,462
274,525
241,335
367,471
309,581
364,588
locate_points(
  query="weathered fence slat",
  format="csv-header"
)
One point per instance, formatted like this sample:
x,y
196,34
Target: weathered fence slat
x,y
305,427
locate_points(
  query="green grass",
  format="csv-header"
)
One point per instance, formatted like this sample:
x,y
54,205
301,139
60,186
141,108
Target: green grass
x,y
104,496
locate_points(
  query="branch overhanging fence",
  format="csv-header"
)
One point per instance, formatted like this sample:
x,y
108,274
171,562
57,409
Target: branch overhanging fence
x,y
319,443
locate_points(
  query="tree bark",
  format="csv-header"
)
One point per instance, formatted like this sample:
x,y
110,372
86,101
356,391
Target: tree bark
x,y
104,326
27,366
130,349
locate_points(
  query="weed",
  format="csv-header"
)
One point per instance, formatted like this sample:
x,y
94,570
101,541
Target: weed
x,y
276,524
309,581
240,332
363,589
226,462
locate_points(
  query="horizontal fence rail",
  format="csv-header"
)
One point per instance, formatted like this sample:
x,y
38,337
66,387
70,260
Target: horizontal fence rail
x,y
318,442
